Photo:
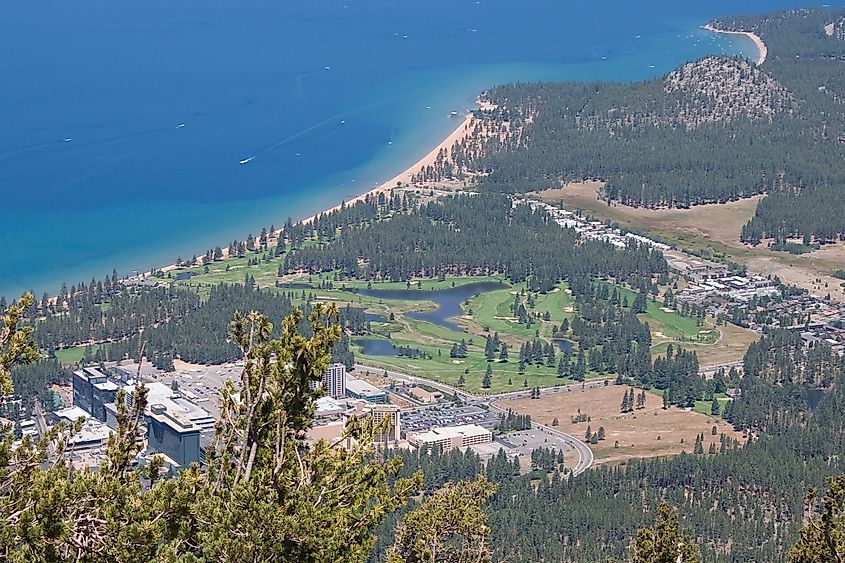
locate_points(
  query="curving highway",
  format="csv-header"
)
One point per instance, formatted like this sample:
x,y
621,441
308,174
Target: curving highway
x,y
585,454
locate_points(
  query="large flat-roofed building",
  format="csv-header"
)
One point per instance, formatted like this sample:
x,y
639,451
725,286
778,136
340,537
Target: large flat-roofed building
x,y
451,437
88,445
92,390
326,407
425,396
159,393
184,416
172,435
359,389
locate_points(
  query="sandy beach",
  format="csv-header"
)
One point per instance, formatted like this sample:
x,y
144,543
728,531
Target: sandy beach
x,y
761,47
461,131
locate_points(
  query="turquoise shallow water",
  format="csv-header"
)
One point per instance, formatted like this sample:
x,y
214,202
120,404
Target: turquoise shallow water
x,y
123,125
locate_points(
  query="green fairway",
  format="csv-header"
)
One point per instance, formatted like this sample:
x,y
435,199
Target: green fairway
x,y
72,356
448,370
669,324
492,310
704,406
484,314
434,331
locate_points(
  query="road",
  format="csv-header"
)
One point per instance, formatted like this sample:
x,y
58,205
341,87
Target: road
x,y
585,454
710,371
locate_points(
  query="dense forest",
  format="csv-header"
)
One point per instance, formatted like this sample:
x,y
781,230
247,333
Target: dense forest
x,y
743,503
713,130
472,235
115,321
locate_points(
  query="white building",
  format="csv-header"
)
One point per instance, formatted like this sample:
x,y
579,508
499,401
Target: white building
x,y
451,437
334,381
360,389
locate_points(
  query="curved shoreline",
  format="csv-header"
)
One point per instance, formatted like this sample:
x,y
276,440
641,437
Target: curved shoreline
x,y
456,135
404,177
762,50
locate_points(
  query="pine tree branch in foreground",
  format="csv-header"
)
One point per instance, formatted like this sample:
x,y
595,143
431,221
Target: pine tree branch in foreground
x,y
449,527
266,496
823,536
666,541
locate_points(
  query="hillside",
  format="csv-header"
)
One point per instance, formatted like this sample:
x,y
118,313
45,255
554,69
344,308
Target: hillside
x,y
713,130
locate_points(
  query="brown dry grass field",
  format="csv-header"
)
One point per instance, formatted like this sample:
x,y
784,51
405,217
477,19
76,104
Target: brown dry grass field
x,y
715,228
650,432
730,347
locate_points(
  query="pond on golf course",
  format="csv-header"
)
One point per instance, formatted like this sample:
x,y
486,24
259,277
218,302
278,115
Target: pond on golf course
x,y
448,300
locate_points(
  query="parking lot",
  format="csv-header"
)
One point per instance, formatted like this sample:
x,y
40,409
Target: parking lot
x,y
522,443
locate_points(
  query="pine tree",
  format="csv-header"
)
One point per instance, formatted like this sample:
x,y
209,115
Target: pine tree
x,y
260,473
715,408
437,531
580,367
489,349
822,538
641,398
666,541
562,367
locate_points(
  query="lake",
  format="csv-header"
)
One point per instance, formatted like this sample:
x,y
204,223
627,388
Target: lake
x,y
133,133
375,346
564,345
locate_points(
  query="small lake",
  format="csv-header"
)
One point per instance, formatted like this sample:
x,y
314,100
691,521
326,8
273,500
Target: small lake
x,y
564,345
448,300
375,318
375,346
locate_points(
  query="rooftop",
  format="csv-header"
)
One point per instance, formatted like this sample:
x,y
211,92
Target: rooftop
x,y
449,432
173,420
361,387
71,413
161,394
107,385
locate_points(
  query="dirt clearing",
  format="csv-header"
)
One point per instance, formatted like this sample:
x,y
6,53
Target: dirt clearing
x,y
648,432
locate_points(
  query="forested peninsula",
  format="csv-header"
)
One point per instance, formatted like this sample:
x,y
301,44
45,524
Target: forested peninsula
x,y
711,131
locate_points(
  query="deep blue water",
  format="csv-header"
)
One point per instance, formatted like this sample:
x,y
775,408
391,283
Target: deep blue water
x,y
375,346
375,318
448,300
122,124
564,345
